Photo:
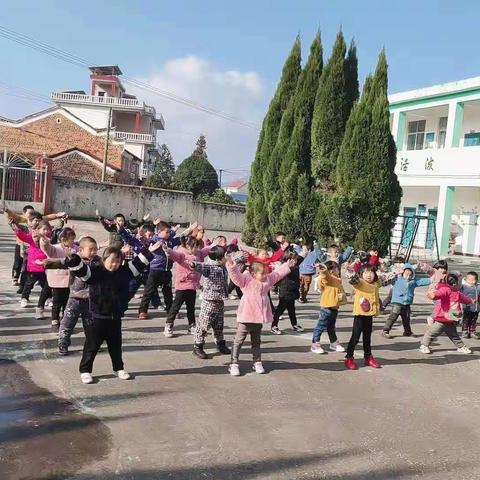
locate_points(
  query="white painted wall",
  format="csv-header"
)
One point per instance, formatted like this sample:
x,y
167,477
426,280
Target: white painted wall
x,y
93,115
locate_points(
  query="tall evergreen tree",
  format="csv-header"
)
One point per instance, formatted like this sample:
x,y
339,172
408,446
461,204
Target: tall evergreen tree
x,y
196,174
164,170
368,195
256,222
293,150
336,94
296,160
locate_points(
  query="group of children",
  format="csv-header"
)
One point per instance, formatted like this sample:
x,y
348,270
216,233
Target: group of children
x,y
99,289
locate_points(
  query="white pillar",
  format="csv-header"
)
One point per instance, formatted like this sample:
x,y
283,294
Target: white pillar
x,y
452,106
446,198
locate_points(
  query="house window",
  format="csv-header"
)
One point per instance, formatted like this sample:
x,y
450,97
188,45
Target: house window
x,y
416,135
442,131
430,140
472,139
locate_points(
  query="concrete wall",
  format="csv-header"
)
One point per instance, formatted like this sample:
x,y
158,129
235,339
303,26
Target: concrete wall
x,y
80,199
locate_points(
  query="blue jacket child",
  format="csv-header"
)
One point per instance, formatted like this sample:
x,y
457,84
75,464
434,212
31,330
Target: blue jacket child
x,y
404,289
403,293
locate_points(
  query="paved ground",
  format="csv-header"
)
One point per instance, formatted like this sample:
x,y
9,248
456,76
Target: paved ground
x,y
183,418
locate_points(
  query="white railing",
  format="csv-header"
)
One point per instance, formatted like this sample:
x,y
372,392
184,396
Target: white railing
x,y
135,137
97,100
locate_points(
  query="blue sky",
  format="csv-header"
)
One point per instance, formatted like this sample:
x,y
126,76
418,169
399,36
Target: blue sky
x,y
229,55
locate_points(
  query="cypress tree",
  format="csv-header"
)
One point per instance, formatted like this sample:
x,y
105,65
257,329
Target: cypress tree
x,y
336,94
256,224
292,153
365,206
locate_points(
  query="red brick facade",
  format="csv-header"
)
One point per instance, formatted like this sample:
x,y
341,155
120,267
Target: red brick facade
x,y
55,134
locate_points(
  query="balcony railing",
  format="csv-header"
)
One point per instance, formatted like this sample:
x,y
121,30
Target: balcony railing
x,y
122,103
135,137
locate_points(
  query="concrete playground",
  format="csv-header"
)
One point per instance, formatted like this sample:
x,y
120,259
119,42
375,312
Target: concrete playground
x,y
183,418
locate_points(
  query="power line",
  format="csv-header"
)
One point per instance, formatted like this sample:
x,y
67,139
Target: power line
x,y
80,62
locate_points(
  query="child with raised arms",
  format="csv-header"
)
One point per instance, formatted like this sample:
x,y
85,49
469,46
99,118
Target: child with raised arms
x,y
254,309
332,297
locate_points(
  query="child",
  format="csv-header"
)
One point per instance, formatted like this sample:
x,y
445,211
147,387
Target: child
x,y
58,279
332,296
263,257
366,305
402,298
254,309
437,273
215,291
187,281
78,301
364,258
108,286
160,274
446,314
288,292
471,288
35,269
307,268
335,255
137,243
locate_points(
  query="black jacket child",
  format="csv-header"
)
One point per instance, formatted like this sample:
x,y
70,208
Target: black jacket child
x,y
289,286
108,291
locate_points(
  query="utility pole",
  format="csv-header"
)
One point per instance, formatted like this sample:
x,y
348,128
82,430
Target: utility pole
x,y
105,153
220,171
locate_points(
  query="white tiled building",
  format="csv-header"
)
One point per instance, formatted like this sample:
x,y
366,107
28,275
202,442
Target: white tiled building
x,y
132,123
437,132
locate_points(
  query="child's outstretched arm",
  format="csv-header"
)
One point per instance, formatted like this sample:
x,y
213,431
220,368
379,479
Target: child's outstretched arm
x,y
283,271
422,282
238,278
345,255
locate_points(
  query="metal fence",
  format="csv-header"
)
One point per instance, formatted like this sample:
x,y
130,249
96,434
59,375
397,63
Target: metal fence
x,y
415,238
21,180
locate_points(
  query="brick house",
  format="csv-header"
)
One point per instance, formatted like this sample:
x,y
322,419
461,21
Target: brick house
x,y
73,133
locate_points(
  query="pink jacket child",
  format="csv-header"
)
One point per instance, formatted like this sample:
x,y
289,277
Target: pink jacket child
x,y
448,306
57,278
35,253
255,306
185,277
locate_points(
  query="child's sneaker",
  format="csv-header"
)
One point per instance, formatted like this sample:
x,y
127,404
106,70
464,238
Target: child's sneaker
x,y
317,348
386,334
234,370
407,334
258,367
15,282
62,350
476,335
466,335
55,326
48,304
24,303
276,331
371,362
20,290
39,313
350,364
143,316
336,347
464,349
298,328
232,297
86,378
123,375
168,331
191,329
425,349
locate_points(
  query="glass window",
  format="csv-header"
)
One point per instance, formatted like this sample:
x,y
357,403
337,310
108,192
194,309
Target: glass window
x,y
416,135
430,140
472,139
442,131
